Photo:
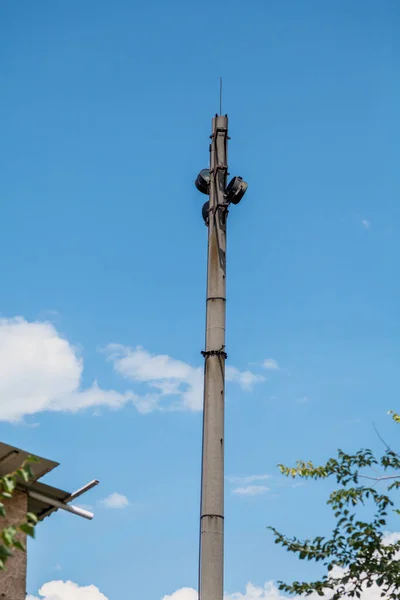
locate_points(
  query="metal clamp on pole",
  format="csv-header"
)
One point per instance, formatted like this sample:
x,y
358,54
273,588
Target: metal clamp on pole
x,y
214,353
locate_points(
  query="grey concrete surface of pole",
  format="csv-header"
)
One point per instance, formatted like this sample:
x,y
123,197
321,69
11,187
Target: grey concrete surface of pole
x,y
215,212
212,492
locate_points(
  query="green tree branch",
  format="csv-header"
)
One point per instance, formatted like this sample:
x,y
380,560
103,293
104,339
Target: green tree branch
x,y
356,555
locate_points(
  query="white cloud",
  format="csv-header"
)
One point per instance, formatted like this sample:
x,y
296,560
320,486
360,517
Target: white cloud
x,y
247,478
175,385
60,590
252,592
41,371
67,590
182,594
246,379
271,364
269,591
248,485
366,224
251,490
165,375
115,500
391,538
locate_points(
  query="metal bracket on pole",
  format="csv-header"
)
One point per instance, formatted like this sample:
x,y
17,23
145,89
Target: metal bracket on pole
x,y
223,206
219,168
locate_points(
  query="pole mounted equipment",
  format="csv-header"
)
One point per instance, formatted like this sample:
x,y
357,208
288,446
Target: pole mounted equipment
x,y
203,181
233,193
235,190
212,182
205,211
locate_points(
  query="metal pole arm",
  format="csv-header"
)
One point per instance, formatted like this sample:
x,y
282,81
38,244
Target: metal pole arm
x,y
80,512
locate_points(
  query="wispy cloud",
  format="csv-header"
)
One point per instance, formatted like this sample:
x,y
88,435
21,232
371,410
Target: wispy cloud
x,y
115,501
246,379
173,384
303,400
250,490
247,484
247,479
50,377
271,364
366,224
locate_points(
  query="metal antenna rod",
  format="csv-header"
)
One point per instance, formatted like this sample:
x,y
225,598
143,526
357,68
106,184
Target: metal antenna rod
x,y
211,575
220,95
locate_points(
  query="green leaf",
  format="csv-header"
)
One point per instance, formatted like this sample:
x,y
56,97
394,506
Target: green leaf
x,y
23,474
32,518
28,529
19,545
5,552
8,535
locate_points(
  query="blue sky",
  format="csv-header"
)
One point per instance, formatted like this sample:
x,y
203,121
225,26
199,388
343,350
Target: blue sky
x,y
107,111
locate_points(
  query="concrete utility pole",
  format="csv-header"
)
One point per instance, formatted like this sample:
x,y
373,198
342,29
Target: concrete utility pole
x,y
215,212
211,578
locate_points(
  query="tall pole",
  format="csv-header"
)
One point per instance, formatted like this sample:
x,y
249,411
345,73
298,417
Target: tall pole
x,y
211,574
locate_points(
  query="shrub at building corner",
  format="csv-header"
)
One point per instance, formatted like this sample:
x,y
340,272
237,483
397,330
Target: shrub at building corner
x,y
9,535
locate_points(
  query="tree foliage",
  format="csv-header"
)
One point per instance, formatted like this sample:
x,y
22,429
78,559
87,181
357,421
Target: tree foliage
x,y
10,536
357,555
